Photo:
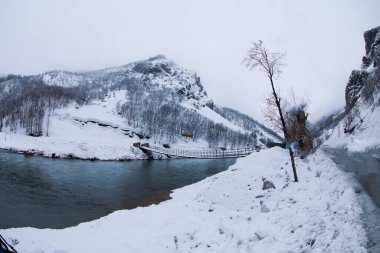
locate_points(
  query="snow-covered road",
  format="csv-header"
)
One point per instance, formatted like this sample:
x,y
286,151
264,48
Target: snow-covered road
x,y
365,165
366,169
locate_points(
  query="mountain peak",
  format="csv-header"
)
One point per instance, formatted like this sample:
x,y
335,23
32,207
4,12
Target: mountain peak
x,y
372,48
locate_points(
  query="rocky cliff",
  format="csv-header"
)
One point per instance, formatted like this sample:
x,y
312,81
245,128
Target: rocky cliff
x,y
365,82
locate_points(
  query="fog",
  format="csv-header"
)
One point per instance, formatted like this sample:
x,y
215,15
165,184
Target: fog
x,y
323,42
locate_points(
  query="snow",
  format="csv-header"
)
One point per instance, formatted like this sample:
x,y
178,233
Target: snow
x,y
70,134
178,79
62,78
367,136
187,144
217,118
80,141
73,132
228,212
102,111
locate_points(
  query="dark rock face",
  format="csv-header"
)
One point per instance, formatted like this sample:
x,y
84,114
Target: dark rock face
x,y
366,62
359,79
149,68
354,85
157,57
372,46
210,105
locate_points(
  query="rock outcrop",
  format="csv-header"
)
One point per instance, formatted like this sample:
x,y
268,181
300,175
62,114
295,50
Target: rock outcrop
x,y
355,84
372,47
363,87
362,82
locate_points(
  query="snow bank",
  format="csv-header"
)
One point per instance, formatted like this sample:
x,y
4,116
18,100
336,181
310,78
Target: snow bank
x,y
228,212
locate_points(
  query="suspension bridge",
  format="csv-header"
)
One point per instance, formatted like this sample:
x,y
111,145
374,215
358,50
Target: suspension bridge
x,y
200,154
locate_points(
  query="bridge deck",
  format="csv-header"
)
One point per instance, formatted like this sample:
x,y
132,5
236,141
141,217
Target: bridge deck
x,y
203,154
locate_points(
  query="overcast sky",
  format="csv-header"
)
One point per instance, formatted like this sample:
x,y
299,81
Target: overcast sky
x,y
322,39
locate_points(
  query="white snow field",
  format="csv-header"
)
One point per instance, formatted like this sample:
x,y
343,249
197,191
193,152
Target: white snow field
x,y
228,212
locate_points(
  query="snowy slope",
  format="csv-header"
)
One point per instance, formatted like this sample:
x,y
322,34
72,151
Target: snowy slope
x,y
246,122
71,134
367,136
228,212
217,118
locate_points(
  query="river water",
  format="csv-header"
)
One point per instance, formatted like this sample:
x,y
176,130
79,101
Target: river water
x,y
56,193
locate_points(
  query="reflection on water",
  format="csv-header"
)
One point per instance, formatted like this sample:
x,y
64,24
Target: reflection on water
x,y
41,192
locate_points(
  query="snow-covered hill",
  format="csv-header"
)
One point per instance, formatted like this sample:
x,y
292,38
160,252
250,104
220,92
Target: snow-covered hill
x,y
156,70
100,114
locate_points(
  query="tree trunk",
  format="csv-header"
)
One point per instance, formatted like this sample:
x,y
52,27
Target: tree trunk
x,y
284,128
293,164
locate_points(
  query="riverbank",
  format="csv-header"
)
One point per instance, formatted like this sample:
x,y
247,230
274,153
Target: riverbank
x,y
89,146
92,144
71,156
228,212
150,200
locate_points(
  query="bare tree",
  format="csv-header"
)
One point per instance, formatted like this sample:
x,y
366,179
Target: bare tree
x,y
270,63
270,111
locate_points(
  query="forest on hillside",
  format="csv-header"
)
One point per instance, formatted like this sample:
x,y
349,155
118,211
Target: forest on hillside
x,y
29,103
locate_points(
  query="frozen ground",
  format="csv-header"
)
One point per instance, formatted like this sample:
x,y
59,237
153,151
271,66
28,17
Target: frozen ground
x,y
228,212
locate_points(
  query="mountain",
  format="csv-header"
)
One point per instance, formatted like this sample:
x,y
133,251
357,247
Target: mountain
x,y
100,114
358,125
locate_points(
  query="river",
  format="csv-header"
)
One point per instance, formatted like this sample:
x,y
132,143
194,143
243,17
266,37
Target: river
x,y
56,193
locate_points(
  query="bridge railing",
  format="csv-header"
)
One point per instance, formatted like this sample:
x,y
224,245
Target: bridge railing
x,y
208,153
